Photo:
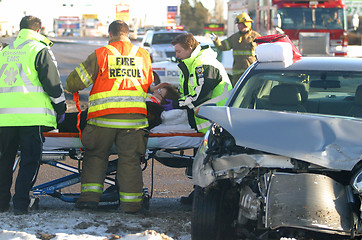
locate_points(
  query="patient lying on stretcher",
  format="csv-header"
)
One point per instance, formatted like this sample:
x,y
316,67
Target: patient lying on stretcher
x,y
159,101
162,115
162,118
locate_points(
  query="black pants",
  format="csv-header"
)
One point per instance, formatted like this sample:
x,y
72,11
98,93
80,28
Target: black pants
x,y
29,140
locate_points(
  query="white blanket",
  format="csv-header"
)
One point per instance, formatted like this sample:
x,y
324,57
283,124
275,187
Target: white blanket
x,y
173,121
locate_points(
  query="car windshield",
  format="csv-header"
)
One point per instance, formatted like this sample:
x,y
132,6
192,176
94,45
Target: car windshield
x,y
164,38
312,18
319,92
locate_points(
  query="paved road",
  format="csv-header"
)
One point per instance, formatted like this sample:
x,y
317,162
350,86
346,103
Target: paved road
x,y
69,56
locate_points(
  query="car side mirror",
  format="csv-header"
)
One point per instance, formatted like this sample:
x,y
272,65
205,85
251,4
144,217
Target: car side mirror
x,y
277,21
146,44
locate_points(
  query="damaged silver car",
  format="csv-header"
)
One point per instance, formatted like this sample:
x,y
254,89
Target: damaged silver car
x,y
283,156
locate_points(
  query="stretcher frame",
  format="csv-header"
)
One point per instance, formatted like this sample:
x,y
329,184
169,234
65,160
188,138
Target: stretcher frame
x,y
110,195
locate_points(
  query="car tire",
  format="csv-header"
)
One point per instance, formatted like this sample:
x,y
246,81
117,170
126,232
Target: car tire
x,y
156,78
210,220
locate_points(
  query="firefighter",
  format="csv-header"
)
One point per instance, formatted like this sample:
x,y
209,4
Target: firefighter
x,y
121,75
31,99
242,43
333,21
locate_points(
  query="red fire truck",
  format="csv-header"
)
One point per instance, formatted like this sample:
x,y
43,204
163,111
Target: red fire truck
x,y
316,27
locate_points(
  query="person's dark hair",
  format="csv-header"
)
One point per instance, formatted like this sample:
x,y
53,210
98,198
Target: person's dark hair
x,y
154,111
30,22
118,28
172,93
186,40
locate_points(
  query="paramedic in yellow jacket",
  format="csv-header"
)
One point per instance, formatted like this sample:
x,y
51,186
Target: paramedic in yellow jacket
x,y
121,75
203,78
242,43
31,101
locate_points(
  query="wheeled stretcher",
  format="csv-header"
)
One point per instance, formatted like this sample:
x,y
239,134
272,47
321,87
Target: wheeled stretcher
x,y
167,148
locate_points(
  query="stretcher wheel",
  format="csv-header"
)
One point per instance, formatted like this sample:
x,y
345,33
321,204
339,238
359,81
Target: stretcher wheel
x,y
145,199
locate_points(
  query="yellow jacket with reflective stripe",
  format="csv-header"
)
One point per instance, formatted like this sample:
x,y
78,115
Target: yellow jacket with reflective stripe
x,y
23,101
194,84
87,73
243,47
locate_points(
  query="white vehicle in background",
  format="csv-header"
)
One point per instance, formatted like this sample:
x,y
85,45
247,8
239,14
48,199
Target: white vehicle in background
x,y
158,44
168,71
133,34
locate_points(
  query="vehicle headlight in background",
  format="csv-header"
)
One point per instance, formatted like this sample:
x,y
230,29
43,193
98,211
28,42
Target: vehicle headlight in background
x,y
158,54
357,182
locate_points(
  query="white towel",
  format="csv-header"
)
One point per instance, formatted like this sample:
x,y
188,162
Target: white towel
x,y
173,121
175,116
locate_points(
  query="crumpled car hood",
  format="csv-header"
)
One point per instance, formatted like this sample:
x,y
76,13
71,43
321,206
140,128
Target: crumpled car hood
x,y
331,142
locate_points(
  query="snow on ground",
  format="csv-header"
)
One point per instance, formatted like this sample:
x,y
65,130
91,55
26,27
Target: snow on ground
x,y
146,235
57,220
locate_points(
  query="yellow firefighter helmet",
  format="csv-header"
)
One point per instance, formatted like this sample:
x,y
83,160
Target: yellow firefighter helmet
x,y
243,17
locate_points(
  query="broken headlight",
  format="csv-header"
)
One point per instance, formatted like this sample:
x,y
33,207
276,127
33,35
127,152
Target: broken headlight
x,y
220,141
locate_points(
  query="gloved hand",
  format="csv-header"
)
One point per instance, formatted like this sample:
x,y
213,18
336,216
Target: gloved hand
x,y
213,37
60,118
168,106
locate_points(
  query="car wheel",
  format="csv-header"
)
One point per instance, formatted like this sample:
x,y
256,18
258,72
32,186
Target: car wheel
x,y
211,218
157,79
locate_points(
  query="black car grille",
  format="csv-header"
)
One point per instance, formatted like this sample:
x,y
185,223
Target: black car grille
x,y
170,54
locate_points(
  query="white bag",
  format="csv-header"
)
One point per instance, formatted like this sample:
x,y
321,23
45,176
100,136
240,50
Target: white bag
x,y
274,52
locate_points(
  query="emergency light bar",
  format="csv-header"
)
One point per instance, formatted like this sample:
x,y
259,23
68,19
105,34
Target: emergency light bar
x,y
179,27
312,2
309,3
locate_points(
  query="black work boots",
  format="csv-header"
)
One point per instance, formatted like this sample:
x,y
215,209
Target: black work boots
x,y
86,205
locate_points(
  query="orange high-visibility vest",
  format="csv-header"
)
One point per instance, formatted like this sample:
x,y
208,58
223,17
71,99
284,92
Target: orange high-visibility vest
x,y
124,76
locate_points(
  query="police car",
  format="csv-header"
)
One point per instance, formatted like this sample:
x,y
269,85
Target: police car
x,y
168,71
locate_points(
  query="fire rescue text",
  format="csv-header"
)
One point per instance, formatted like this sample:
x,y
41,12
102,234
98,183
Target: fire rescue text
x,y
124,67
